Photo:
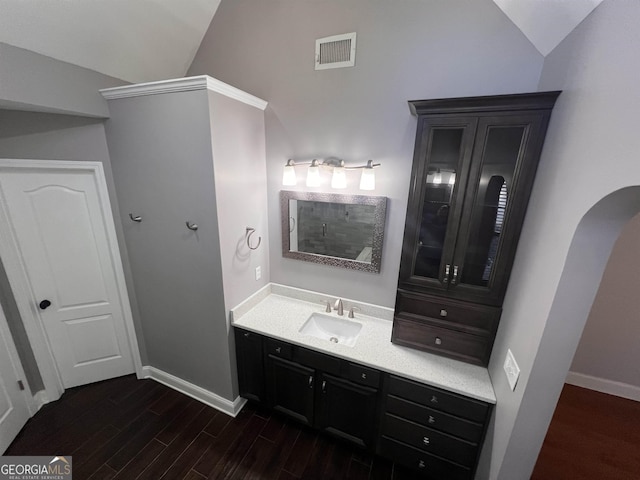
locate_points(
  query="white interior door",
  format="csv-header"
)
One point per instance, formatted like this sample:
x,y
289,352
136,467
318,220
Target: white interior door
x,y
14,412
61,232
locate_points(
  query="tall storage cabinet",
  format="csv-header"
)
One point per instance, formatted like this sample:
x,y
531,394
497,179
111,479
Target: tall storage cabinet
x,y
474,165
190,151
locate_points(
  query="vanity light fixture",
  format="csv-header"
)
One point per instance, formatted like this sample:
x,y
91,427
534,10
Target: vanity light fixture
x,y
368,178
338,176
313,174
289,176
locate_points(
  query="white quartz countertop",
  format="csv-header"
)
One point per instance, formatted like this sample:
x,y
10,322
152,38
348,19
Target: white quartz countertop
x,y
280,315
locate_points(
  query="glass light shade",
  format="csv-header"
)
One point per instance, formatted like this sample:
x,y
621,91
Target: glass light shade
x,y
437,178
368,179
452,179
339,178
313,175
289,175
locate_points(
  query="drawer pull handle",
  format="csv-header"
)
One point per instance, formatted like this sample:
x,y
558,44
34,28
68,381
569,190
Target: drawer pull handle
x,y
421,464
447,267
246,335
425,440
455,275
434,399
310,381
432,419
324,387
364,376
438,341
278,349
443,312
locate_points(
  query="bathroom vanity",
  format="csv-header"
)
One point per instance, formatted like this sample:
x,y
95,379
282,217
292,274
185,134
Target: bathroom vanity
x,y
423,411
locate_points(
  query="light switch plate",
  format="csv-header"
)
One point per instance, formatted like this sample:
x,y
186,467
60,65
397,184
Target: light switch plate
x,y
511,369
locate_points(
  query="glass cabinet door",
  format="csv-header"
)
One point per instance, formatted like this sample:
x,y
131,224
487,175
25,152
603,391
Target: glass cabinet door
x,y
501,145
436,203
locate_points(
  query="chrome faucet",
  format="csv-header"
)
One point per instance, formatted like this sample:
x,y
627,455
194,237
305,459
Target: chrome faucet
x,y
338,306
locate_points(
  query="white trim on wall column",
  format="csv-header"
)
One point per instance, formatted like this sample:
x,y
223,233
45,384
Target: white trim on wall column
x,y
603,385
205,396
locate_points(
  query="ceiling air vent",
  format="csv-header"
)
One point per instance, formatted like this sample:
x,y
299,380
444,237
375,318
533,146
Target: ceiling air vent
x,y
337,51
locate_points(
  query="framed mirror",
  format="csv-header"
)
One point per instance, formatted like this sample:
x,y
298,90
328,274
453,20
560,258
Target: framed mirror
x,y
332,229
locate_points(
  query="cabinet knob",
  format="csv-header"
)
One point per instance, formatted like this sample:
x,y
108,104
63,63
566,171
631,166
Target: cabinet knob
x,y
247,335
421,464
364,376
431,419
425,440
44,304
434,399
438,341
443,312
278,349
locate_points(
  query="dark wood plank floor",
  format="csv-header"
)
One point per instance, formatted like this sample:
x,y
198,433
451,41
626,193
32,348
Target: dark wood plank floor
x,y
592,436
139,429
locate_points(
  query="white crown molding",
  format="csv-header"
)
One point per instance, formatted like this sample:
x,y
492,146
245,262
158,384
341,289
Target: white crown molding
x,y
205,396
186,84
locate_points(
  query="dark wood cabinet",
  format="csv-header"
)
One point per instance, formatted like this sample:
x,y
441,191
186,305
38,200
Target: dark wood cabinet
x,y
328,393
433,431
346,409
474,164
290,388
249,357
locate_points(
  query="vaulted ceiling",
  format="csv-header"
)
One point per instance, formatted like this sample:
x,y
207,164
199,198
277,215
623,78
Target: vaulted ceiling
x,y
146,40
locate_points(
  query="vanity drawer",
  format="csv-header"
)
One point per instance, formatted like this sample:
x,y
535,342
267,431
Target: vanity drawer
x,y
413,332
428,440
439,399
318,361
431,465
363,375
435,419
462,315
279,348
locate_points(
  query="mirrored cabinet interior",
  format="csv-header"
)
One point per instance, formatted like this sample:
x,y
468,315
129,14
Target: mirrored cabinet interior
x,y
474,165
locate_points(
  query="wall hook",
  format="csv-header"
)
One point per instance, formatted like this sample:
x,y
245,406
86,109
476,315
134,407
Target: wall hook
x,y
251,231
191,226
136,218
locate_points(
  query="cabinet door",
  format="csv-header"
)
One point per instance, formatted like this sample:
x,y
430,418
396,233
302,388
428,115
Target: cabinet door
x,y
346,409
290,388
502,170
440,171
250,365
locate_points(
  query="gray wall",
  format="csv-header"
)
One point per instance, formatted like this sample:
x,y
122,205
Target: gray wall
x,y
162,161
405,50
608,348
30,81
29,135
572,223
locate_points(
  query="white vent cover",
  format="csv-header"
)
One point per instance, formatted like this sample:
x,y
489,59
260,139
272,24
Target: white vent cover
x,y
337,51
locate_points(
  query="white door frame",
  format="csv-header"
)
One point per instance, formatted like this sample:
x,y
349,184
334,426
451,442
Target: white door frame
x,y
24,296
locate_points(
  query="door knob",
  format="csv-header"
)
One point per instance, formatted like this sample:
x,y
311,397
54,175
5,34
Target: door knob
x,y
44,304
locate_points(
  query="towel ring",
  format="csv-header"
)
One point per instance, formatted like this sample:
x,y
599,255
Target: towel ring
x,y
136,218
251,231
192,226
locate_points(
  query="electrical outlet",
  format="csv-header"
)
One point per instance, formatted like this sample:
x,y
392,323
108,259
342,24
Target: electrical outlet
x,y
511,369
258,273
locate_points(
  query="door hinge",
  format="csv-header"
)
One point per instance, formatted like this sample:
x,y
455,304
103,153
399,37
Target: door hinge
x,y
20,385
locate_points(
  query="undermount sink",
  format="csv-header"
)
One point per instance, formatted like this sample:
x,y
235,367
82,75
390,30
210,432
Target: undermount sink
x,y
334,329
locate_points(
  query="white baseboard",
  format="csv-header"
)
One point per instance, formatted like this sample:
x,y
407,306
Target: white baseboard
x,y
194,391
603,385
